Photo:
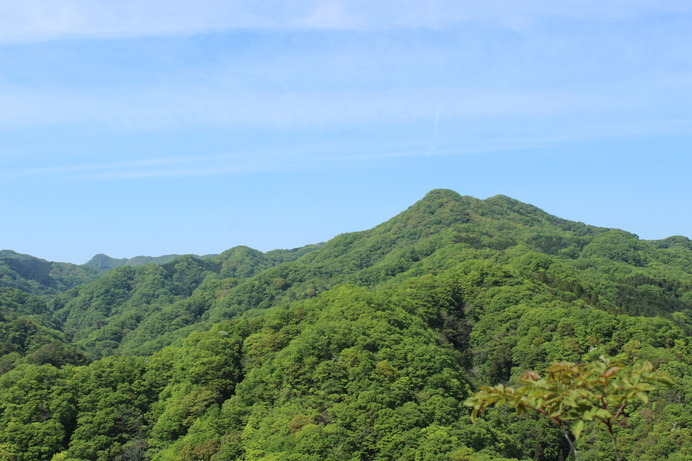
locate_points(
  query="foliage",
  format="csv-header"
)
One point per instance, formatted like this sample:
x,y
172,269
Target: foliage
x,y
576,393
38,276
28,335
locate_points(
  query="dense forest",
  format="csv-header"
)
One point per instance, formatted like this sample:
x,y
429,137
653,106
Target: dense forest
x,y
365,347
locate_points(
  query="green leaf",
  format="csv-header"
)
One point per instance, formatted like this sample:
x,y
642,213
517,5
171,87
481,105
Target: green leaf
x,y
577,427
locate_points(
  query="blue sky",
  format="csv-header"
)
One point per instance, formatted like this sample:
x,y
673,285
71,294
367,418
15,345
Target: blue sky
x,y
148,127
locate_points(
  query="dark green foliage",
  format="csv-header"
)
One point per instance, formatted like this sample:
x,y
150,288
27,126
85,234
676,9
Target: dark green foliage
x,y
141,309
102,314
103,262
38,276
27,333
361,348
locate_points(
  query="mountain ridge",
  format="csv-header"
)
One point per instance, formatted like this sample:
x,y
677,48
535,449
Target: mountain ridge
x,y
104,262
363,347
438,231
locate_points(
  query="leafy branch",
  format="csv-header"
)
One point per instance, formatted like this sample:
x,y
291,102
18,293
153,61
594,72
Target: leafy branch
x,y
573,394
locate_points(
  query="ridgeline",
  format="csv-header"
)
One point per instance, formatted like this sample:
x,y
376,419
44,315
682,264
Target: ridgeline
x,y
360,348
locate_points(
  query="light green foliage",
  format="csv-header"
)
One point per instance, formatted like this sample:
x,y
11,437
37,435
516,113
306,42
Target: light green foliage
x,y
35,406
576,393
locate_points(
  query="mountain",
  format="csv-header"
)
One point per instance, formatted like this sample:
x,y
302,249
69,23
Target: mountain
x,y
29,333
103,262
363,347
140,308
38,276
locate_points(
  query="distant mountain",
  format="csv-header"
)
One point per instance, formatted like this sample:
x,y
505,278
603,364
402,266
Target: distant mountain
x,y
38,276
135,307
104,262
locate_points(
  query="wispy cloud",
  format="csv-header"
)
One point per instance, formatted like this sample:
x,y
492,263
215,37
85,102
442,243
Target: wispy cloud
x,y
168,108
491,88
287,159
37,20
204,165
324,79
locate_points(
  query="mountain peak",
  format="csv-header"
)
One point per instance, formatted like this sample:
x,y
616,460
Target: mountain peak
x,y
438,209
437,194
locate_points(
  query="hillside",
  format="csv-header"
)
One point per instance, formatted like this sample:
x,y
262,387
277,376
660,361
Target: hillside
x,y
103,262
363,347
28,333
609,269
38,276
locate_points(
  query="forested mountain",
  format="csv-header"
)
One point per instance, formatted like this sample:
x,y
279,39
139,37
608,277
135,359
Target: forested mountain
x,y
103,262
28,332
361,348
38,276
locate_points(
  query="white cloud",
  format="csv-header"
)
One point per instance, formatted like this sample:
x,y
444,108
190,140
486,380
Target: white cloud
x,y
555,86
